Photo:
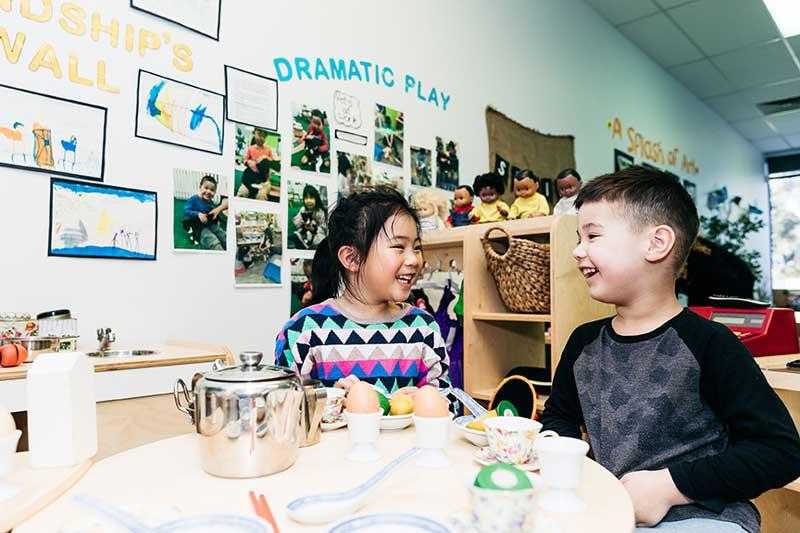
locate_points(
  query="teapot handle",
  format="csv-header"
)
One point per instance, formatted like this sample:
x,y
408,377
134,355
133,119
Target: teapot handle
x,y
179,389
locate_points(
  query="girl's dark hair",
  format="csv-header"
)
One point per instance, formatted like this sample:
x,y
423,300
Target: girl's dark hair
x,y
356,221
568,172
310,190
526,173
490,179
466,188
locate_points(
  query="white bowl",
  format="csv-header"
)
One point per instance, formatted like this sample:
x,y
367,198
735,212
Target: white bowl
x,y
478,438
392,422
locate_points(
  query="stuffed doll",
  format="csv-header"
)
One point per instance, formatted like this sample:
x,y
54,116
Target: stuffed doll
x,y
529,202
462,206
431,209
489,187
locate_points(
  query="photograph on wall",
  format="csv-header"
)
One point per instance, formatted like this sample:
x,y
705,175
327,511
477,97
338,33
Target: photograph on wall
x,y
257,164
446,164
691,188
201,16
311,134
174,112
388,135
258,245
301,293
388,176
54,135
199,211
307,215
421,169
251,98
354,171
622,160
101,221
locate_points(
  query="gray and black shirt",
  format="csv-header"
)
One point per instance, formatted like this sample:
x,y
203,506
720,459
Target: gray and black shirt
x,y
687,396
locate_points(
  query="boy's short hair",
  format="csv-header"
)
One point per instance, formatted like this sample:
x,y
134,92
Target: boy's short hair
x,y
648,197
526,173
568,172
206,178
466,188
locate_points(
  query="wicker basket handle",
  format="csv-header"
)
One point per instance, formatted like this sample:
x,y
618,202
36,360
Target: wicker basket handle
x,y
487,246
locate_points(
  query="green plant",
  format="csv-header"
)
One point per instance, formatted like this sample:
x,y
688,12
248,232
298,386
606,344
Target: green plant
x,y
732,234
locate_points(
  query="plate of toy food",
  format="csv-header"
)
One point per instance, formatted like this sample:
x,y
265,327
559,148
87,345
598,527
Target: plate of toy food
x,y
472,427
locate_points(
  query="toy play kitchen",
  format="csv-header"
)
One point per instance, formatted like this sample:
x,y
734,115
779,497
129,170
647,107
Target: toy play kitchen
x,y
764,330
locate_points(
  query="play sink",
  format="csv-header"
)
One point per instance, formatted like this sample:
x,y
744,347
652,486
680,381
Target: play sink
x,y
121,353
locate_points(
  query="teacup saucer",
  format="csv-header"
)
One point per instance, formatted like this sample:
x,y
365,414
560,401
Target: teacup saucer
x,y
339,422
485,457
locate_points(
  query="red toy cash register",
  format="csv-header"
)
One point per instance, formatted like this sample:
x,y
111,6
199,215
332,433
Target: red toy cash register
x,y
764,330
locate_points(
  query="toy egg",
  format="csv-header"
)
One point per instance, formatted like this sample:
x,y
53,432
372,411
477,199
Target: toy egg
x,y
362,398
429,403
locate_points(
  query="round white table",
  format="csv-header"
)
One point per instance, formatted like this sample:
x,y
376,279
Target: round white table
x,y
168,472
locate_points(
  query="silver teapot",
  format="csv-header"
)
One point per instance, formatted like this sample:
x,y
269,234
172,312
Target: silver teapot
x,y
251,418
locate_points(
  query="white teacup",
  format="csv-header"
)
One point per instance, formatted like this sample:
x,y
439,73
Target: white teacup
x,y
333,404
494,511
561,461
511,438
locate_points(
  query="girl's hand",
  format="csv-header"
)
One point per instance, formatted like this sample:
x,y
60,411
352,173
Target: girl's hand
x,y
346,383
652,493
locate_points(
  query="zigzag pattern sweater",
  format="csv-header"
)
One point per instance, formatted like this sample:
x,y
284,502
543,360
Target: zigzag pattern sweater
x,y
320,342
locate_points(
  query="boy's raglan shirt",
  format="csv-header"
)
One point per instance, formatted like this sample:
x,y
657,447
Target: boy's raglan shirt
x,y
687,396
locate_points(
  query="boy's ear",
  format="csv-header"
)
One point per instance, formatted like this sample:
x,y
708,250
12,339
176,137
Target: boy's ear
x,y
661,242
348,257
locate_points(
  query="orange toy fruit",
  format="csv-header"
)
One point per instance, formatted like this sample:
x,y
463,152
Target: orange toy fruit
x,y
12,354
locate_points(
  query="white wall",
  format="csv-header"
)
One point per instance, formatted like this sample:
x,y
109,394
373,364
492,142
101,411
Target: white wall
x,y
552,65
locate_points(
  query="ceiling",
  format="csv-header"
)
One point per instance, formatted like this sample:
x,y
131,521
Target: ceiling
x,y
729,53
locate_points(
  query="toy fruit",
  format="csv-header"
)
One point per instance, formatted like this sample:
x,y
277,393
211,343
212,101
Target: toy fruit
x,y
12,354
384,403
401,404
478,424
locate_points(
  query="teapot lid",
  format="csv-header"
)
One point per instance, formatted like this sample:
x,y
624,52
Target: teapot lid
x,y
251,369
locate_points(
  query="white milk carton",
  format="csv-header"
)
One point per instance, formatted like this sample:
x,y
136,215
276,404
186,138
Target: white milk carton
x,y
62,413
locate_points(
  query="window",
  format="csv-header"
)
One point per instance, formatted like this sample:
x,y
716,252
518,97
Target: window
x,y
784,196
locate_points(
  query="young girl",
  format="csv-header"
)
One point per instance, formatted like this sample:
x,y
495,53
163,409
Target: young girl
x,y
310,224
363,331
256,162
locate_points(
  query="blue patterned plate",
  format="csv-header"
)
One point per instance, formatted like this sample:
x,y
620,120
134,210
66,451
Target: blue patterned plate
x,y
389,523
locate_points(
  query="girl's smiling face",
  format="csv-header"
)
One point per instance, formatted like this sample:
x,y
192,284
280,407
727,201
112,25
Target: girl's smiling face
x,y
393,263
310,202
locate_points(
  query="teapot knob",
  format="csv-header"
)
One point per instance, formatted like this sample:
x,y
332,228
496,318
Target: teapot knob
x,y
251,358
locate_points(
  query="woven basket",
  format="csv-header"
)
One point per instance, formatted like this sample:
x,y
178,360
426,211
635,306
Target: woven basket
x,y
521,272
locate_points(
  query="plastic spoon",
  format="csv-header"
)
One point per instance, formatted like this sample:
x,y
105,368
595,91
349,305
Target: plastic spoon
x,y
322,508
474,407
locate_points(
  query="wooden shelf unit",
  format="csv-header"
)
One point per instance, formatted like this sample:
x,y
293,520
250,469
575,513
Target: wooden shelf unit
x,y
496,340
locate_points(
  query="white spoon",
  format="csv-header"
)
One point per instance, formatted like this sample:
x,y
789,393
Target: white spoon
x,y
322,508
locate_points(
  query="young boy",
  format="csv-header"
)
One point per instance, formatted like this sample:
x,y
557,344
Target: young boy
x,y
672,403
202,216
568,183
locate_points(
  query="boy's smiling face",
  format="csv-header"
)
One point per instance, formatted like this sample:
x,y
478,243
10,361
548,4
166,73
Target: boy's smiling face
x,y
207,190
611,254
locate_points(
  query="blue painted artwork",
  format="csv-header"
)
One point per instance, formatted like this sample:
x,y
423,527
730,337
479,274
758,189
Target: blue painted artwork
x,y
88,220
